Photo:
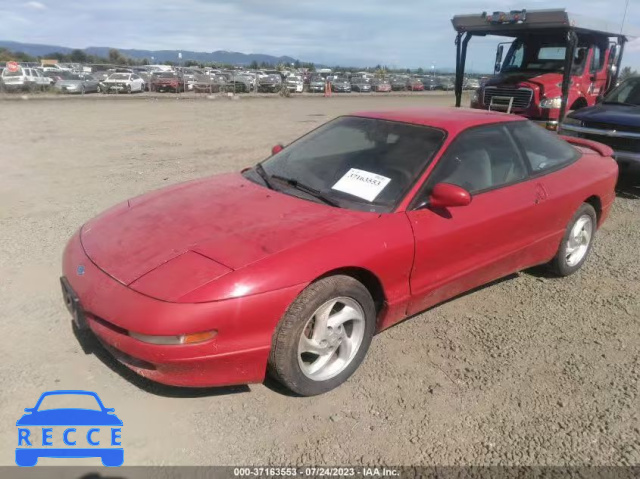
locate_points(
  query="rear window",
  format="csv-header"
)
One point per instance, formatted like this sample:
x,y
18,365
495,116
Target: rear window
x,y
544,150
18,73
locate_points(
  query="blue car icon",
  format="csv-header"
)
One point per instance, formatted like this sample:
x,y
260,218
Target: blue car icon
x,y
98,417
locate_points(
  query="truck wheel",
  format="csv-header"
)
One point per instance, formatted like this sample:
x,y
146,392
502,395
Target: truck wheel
x,y
577,242
324,336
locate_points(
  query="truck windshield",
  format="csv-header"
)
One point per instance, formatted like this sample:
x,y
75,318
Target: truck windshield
x,y
536,55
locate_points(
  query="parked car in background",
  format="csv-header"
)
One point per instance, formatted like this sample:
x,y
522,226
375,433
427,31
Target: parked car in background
x,y
167,82
55,68
615,121
341,84
56,75
122,83
445,84
23,78
145,75
472,84
398,83
317,84
380,85
295,83
77,83
240,83
270,83
414,84
208,83
429,82
360,84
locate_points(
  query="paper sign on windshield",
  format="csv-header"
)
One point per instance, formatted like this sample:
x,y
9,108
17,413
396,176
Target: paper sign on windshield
x,y
363,184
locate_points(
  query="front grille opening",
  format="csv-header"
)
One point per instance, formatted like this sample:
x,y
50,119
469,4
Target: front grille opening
x,y
108,325
126,359
521,96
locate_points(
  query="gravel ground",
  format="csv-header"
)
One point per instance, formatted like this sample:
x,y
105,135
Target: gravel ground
x,y
527,371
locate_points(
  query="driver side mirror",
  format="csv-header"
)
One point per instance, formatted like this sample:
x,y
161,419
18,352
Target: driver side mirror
x,y
445,195
277,149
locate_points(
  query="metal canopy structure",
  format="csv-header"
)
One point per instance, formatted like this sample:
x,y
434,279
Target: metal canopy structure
x,y
556,19
552,22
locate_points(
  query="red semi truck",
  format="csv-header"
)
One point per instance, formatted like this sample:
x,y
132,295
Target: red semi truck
x,y
557,61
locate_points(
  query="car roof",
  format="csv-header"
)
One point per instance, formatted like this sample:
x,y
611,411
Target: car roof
x,y
452,120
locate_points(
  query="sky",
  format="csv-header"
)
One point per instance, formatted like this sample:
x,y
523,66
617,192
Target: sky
x,y
397,33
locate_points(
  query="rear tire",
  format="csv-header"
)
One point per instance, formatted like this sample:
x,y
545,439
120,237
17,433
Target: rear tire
x,y
577,242
315,348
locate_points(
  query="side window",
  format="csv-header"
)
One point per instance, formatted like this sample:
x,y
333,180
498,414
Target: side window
x,y
596,61
480,159
544,150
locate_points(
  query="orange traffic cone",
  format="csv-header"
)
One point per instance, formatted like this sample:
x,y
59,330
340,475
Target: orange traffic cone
x,y
327,89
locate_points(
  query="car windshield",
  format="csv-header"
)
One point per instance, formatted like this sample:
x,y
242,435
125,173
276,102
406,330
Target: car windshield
x,y
119,76
166,75
358,163
627,93
67,401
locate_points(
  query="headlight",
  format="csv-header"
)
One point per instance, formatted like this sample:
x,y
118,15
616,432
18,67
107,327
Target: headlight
x,y
475,97
549,103
181,339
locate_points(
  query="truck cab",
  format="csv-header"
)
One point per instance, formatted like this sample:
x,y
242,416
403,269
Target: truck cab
x,y
555,62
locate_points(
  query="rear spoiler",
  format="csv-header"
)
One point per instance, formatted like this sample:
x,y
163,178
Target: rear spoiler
x,y
603,150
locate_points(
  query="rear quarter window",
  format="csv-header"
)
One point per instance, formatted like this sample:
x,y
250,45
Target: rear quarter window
x,y
543,150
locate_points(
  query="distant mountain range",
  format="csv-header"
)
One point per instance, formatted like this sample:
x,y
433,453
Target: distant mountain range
x,y
159,56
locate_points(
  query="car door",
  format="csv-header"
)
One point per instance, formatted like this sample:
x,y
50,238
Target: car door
x,y
460,248
547,156
597,74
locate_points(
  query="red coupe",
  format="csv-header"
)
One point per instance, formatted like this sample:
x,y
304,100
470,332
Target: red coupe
x,y
290,267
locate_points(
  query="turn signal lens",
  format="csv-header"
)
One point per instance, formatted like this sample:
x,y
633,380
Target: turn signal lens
x,y
198,337
182,339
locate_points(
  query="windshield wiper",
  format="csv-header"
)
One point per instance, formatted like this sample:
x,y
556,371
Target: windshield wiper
x,y
264,175
306,189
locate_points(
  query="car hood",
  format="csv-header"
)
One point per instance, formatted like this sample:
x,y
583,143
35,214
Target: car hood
x,y
69,82
547,82
621,115
69,417
227,219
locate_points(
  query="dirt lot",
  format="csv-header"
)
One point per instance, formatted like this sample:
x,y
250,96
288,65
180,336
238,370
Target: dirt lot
x,y
531,370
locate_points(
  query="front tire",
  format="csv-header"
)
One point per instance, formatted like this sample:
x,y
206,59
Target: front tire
x,y
324,336
577,242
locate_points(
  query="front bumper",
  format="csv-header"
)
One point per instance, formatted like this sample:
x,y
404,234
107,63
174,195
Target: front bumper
x,y
236,355
620,141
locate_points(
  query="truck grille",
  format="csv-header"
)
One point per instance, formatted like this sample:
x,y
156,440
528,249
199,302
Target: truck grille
x,y
611,126
521,96
618,144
